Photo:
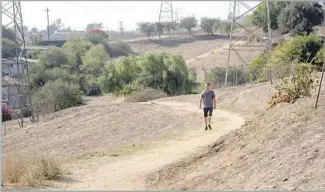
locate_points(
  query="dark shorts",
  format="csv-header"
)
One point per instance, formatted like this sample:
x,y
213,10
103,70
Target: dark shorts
x,y
207,111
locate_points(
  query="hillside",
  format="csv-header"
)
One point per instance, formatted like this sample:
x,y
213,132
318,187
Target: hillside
x,y
282,148
201,51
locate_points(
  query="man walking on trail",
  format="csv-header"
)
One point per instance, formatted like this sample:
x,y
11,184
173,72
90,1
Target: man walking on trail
x,y
209,103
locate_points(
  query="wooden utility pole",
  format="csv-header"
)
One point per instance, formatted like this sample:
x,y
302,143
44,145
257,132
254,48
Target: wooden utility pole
x,y
48,24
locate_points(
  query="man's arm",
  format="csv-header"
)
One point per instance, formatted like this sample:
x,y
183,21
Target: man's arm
x,y
214,100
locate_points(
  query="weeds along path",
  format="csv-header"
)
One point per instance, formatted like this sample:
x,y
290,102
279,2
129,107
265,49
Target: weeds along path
x,y
129,172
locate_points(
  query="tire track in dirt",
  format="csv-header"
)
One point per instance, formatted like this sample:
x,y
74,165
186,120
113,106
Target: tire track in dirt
x,y
129,172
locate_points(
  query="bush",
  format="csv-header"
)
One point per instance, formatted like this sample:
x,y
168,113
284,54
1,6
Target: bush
x,y
145,95
54,57
32,170
63,94
257,67
118,49
159,71
319,59
300,85
34,54
94,60
8,48
39,75
218,74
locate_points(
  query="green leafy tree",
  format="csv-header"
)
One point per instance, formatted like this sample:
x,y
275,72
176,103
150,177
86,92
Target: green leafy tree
x,y
8,33
36,39
147,28
169,27
259,16
76,48
8,48
188,23
63,94
225,27
300,17
207,25
54,57
94,60
159,28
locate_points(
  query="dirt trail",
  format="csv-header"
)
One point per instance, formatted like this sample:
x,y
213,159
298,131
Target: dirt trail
x,y
129,172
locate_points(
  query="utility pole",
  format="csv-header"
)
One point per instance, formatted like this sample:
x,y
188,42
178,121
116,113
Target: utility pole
x,y
176,15
121,27
48,24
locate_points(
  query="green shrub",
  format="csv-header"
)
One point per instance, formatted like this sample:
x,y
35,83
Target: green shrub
x,y
159,71
218,74
118,49
54,57
319,59
39,75
63,94
300,85
34,54
8,48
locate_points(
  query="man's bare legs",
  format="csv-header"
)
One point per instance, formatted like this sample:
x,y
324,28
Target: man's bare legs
x,y
209,120
206,121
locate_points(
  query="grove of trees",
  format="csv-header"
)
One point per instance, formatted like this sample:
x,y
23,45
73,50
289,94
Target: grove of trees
x,y
293,17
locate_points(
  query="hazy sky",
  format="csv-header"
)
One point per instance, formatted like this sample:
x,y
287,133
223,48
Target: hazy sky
x,y
78,14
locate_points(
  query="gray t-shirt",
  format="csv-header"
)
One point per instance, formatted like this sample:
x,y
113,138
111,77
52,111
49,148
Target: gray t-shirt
x,y
207,97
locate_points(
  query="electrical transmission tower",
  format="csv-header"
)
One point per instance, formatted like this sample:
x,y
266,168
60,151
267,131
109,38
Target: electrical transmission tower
x,y
166,12
13,20
121,28
234,17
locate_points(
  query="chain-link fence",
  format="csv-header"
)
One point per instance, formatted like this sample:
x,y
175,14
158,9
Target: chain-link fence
x,y
241,75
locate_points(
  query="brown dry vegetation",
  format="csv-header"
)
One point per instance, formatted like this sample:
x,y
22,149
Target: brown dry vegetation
x,y
282,148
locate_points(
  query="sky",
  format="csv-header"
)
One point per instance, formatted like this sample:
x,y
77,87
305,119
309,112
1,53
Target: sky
x,y
77,14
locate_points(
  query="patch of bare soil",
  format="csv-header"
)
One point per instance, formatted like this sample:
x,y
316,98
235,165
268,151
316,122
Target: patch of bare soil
x,y
282,148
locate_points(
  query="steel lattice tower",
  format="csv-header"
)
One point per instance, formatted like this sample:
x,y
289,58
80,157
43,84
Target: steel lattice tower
x,y
234,15
166,12
13,20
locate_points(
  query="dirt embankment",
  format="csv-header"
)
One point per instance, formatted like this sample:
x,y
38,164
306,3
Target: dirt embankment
x,y
282,148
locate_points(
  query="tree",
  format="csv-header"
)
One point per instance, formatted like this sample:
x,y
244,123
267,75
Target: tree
x,y
226,27
188,23
259,16
97,36
34,30
147,28
36,38
76,48
216,27
94,60
300,17
92,26
207,24
8,33
159,28
169,26
54,57
8,48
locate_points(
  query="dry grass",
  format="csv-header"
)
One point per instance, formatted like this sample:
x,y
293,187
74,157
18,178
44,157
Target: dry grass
x,y
281,148
32,170
145,95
